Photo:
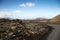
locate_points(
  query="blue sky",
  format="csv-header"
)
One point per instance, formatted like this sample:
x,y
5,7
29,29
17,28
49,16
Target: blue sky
x,y
29,9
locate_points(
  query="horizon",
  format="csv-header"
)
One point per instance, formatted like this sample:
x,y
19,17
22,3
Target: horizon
x,y
29,9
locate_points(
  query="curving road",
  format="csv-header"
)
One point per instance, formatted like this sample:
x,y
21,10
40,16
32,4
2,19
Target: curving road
x,y
55,34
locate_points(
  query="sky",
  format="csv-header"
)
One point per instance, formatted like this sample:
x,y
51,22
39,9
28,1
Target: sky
x,y
29,9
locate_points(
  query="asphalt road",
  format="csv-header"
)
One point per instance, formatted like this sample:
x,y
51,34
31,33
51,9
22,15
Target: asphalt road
x,y
55,34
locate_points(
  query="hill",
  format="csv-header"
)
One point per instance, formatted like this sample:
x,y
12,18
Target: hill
x,y
56,19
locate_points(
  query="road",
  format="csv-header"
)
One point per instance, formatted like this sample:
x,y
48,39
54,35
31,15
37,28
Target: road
x,y
55,34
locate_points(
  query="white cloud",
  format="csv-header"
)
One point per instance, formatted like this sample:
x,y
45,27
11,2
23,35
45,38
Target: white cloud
x,y
17,11
4,14
10,14
28,4
17,14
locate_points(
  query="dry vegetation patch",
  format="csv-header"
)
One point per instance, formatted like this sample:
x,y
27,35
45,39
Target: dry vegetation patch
x,y
18,30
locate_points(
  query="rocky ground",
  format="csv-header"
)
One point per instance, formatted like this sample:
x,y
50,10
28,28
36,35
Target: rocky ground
x,y
18,30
